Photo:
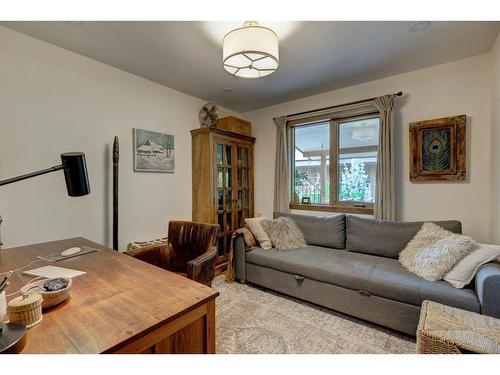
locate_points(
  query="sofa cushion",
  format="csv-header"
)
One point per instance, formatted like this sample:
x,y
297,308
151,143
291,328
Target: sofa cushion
x,y
380,276
465,270
434,251
284,233
255,226
386,238
327,231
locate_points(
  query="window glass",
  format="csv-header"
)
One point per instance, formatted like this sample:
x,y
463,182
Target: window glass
x,y
357,161
312,163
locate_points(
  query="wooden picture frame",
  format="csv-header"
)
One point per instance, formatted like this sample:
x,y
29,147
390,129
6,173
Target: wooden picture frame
x,y
438,149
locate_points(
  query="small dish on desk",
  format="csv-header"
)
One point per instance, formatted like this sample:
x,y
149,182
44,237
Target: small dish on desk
x,y
53,297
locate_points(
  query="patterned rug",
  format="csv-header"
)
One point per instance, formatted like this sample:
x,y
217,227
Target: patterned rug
x,y
255,320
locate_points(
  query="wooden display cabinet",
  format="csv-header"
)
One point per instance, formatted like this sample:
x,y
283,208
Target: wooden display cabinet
x,y
223,189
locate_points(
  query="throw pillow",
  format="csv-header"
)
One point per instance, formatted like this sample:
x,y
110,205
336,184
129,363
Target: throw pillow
x,y
465,270
284,233
434,251
255,226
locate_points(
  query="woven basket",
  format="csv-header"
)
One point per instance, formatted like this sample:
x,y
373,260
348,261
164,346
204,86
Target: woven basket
x,y
432,345
26,309
447,330
51,299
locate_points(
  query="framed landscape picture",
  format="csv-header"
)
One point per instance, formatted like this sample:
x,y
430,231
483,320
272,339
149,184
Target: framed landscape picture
x,y
153,151
438,149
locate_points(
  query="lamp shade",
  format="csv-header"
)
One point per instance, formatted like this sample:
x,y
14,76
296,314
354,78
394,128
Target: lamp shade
x,y
75,173
251,51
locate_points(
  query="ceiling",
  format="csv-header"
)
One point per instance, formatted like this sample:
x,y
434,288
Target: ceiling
x,y
314,56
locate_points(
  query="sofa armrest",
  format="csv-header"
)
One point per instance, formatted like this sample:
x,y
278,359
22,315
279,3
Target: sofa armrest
x,y
202,268
488,289
239,249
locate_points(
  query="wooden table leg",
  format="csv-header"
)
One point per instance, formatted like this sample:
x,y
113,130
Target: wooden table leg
x,y
210,327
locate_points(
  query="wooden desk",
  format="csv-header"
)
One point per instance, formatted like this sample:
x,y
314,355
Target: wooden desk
x,y
122,305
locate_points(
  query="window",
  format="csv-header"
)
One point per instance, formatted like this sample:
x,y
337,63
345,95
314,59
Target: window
x,y
312,162
334,164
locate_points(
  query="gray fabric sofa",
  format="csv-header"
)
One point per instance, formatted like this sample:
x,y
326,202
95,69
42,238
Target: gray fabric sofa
x,y
350,264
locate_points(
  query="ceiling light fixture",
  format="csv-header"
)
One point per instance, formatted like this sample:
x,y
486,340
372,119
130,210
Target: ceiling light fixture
x,y
250,51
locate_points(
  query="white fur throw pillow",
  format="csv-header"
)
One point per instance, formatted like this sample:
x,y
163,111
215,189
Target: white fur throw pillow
x,y
255,226
434,251
284,233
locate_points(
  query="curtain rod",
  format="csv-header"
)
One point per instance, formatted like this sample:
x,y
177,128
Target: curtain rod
x,y
400,93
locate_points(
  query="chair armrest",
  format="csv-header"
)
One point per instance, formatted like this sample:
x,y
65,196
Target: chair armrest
x,y
202,268
488,289
154,254
239,262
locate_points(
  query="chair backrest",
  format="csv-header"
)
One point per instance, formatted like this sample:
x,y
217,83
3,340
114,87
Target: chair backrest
x,y
192,239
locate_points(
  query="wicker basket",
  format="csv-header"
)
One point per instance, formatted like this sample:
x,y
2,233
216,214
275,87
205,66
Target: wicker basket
x,y
51,299
26,309
447,330
431,345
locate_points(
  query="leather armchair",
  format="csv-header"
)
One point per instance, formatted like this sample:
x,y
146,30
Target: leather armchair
x,y
191,251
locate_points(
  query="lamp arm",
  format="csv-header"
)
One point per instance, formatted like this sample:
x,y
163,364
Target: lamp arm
x,y
30,175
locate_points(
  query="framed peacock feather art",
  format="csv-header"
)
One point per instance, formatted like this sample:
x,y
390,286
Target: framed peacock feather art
x,y
438,149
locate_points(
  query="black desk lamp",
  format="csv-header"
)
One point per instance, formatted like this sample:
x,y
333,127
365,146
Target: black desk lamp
x,y
75,173
12,336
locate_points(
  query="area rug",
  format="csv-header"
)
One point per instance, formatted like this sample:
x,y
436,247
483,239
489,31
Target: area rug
x,y
251,319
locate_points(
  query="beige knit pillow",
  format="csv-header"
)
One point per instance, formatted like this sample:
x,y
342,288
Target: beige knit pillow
x,y
434,251
465,270
255,226
284,233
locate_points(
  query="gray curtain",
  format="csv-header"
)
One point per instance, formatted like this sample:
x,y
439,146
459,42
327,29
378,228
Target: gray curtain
x,y
281,175
385,201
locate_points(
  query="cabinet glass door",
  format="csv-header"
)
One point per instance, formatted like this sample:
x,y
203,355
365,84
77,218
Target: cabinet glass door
x,y
224,195
233,189
243,184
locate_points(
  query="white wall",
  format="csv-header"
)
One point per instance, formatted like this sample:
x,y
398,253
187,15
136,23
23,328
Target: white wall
x,y
460,87
495,143
53,101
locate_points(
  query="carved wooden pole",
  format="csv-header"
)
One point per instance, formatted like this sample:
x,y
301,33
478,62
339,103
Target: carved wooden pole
x,y
1,243
116,160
